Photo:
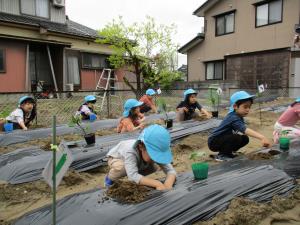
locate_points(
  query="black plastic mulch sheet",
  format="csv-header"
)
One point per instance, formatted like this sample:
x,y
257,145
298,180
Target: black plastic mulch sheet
x,y
19,136
188,202
26,165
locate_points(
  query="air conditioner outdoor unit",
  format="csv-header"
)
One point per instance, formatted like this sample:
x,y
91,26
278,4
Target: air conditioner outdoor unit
x,y
59,3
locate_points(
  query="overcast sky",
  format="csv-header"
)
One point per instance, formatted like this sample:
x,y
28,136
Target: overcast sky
x,y
95,14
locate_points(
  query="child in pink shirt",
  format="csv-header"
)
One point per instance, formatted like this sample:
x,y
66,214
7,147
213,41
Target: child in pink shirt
x,y
287,122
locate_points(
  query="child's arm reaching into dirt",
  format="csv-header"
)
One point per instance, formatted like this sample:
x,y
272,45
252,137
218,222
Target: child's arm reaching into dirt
x,y
22,125
152,183
265,141
170,180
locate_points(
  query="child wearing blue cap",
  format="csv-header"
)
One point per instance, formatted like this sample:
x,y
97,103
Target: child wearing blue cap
x,y
186,110
137,158
147,99
132,117
287,122
24,114
232,134
87,109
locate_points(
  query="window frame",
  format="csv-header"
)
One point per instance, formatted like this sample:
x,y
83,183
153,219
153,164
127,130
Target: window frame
x,y
49,10
224,15
93,54
4,60
214,75
267,2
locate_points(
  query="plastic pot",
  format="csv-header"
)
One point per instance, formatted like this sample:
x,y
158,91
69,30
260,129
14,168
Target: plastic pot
x,y
200,170
284,143
169,123
8,127
215,114
90,139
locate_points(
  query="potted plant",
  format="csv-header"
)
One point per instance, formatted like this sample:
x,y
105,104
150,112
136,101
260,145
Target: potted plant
x,y
4,125
214,93
284,140
88,136
162,105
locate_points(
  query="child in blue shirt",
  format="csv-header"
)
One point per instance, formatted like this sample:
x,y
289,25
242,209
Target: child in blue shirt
x,y
232,134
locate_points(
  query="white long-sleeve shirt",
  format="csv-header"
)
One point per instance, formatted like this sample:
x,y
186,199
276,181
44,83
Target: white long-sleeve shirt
x,y
134,164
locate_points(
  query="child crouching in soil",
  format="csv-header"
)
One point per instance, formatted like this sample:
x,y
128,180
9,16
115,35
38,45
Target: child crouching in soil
x,y
232,134
87,109
132,117
287,122
137,158
24,114
186,110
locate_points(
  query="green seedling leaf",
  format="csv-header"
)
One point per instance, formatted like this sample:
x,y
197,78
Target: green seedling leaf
x,y
197,155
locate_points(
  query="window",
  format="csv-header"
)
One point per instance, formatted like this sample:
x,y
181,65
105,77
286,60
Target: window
x,y
73,70
38,8
214,70
269,13
94,61
225,24
2,60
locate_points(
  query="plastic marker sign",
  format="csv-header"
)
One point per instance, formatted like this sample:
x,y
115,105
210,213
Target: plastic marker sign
x,y
261,88
219,91
158,91
64,159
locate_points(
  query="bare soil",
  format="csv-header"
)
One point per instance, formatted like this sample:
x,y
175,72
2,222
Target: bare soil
x,y
243,211
127,192
16,200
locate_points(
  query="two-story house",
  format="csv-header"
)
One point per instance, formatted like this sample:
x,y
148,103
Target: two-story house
x,y
39,43
245,41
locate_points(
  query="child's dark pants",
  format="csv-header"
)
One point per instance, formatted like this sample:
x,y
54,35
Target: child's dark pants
x,y
228,143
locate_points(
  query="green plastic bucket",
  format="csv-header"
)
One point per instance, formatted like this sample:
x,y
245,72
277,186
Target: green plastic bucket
x,y
200,170
284,143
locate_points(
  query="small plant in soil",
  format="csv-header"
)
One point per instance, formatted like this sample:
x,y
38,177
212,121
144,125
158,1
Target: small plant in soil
x,y
162,105
214,99
197,155
88,136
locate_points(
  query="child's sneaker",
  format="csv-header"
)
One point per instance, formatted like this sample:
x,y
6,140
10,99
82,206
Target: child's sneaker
x,y
223,157
107,182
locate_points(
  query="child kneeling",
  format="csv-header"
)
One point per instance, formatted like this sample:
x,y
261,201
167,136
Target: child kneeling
x,y
138,158
24,114
232,134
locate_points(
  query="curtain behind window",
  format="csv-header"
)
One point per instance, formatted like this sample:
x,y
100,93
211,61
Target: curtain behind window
x,y
262,15
42,8
73,70
28,7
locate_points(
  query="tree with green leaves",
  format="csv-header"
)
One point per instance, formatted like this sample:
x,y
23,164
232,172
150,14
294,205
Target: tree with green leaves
x,y
145,49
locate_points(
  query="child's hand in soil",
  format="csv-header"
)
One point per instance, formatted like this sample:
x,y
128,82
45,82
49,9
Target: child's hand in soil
x,y
161,187
25,128
265,142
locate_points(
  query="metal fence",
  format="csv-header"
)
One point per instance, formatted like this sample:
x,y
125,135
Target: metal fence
x,y
65,104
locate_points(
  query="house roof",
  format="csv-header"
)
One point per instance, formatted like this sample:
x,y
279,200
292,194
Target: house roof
x,y
204,7
69,28
192,43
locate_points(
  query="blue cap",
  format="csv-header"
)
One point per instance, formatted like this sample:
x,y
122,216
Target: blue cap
x,y
240,95
157,141
297,100
129,104
188,92
150,92
22,99
89,98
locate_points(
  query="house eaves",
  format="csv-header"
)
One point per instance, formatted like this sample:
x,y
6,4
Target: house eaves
x,y
204,7
192,43
70,28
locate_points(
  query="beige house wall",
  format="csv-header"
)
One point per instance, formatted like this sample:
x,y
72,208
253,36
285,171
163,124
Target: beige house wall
x,y
246,38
